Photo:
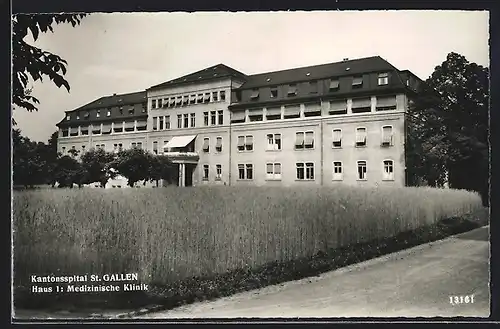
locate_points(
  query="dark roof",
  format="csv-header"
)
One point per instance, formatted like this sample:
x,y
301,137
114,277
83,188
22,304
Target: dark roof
x,y
114,100
108,102
214,72
355,66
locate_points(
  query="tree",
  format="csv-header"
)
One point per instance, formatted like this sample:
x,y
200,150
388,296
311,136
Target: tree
x,y
134,164
29,161
68,171
28,59
448,127
161,168
98,166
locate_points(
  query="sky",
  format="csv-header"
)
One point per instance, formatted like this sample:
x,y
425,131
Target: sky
x,y
127,52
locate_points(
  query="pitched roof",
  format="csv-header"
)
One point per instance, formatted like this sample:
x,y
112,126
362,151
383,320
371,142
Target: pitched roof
x,y
347,67
114,100
213,72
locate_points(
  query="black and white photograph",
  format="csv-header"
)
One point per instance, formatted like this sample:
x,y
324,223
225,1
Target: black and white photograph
x,y
205,165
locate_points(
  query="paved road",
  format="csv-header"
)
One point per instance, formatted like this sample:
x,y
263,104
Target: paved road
x,y
413,283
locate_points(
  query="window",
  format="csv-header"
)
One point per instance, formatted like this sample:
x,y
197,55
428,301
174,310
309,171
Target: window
x,y
206,144
179,120
360,137
273,142
241,170
337,138
68,117
139,145
115,148
357,82
215,96
133,145
199,99
237,95
220,114
167,122
131,110
160,103
143,107
245,143
273,171
108,113
63,150
305,171
292,90
218,144
205,118
155,147
77,116
386,103
160,123
386,136
245,171
273,113
192,99
207,97
120,147
155,123
218,172
361,170
193,120
334,85
337,170
185,100
118,127
213,118
313,87
205,172
178,100
83,149
84,131
65,132
388,170
153,103
98,113
255,94
186,120
274,92
222,95
383,79
249,169
255,114
304,140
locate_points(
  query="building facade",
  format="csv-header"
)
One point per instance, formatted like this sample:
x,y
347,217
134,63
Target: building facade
x,y
338,123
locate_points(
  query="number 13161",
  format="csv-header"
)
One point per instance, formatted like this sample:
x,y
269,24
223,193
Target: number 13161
x,y
456,300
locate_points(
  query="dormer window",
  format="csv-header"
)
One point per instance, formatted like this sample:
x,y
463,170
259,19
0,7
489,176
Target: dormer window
x,y
255,94
108,113
292,90
357,82
98,113
86,115
383,79
274,92
334,85
78,116
68,117
131,110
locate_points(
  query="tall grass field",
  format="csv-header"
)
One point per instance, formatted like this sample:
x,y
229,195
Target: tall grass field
x,y
170,234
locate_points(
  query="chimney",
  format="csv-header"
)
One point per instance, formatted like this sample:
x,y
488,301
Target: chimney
x,y
114,94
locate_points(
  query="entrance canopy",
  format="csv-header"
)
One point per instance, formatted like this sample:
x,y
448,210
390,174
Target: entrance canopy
x,y
179,141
